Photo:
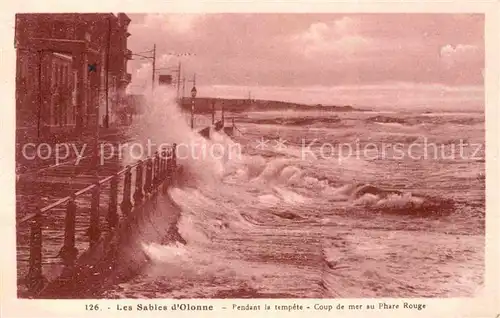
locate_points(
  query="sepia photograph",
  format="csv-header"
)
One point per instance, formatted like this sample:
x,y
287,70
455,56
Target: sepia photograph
x,y
250,155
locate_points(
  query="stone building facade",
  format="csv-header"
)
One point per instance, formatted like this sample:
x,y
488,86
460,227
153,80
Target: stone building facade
x,y
62,63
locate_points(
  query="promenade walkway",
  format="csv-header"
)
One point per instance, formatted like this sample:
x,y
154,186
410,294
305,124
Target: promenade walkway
x,y
45,181
46,185
34,159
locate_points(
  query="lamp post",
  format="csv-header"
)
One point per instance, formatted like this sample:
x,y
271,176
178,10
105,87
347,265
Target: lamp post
x,y
193,95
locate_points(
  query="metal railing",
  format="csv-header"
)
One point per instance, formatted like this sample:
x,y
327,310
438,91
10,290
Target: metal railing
x,y
151,175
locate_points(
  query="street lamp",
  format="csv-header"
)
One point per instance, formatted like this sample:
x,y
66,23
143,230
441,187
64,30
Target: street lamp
x,y
193,95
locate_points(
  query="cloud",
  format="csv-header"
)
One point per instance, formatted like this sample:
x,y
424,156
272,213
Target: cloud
x,y
181,24
304,50
334,38
184,23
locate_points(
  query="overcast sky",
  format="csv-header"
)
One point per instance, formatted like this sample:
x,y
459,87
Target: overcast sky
x,y
401,60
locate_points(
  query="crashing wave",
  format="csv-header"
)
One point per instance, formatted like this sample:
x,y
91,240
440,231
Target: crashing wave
x,y
293,121
418,120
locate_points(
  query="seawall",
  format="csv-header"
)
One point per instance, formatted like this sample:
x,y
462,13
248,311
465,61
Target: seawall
x,y
118,255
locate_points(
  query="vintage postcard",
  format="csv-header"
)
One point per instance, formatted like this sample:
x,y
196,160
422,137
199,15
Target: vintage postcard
x,y
256,159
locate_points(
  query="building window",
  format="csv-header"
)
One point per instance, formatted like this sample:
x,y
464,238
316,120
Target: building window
x,y
61,80
51,81
53,75
74,101
59,30
65,75
70,31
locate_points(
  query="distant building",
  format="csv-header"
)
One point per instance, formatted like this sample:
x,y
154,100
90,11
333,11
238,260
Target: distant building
x,y
165,79
61,70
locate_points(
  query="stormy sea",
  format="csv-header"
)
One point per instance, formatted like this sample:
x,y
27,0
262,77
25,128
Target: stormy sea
x,y
312,204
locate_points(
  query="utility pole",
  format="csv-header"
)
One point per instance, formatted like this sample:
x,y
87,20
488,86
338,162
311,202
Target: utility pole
x,y
193,96
154,66
183,87
178,80
145,57
142,57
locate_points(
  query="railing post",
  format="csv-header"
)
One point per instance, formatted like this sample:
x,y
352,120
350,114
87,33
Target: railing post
x,y
169,168
153,172
149,176
35,281
157,177
165,175
69,252
174,162
112,216
138,195
174,155
94,227
126,205
163,165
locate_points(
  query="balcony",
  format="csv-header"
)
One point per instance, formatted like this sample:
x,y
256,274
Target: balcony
x,y
128,54
126,78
